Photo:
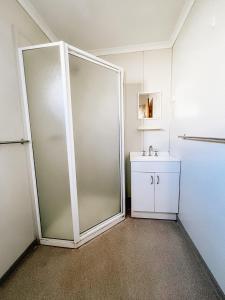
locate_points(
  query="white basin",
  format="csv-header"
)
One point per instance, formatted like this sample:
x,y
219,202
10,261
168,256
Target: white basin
x,y
162,156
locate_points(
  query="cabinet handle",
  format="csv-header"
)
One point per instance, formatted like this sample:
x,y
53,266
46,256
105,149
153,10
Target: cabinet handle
x,y
157,179
152,180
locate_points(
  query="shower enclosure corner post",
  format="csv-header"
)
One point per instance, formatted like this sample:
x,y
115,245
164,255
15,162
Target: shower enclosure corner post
x,y
64,54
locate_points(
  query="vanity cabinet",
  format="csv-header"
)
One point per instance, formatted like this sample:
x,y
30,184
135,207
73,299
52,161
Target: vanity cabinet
x,y
155,189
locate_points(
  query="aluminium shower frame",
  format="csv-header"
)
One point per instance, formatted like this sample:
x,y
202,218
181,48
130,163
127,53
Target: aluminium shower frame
x,y
79,238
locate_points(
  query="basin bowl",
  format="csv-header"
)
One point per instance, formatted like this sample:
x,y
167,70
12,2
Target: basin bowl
x,y
162,156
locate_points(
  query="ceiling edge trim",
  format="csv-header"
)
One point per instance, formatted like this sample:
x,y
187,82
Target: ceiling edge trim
x,y
32,12
180,22
131,48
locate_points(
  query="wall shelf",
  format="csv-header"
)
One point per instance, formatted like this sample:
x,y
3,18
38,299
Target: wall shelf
x,y
149,128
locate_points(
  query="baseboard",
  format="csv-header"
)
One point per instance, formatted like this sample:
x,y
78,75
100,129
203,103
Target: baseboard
x,y
153,215
209,274
18,261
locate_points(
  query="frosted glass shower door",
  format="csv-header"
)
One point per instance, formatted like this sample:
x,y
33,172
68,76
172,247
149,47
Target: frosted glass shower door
x,y
95,92
44,88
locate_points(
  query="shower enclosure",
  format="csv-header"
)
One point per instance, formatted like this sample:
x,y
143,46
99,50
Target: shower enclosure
x,y
73,105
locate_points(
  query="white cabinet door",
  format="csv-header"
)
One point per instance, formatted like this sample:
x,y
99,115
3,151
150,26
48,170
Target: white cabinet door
x,y
166,192
142,191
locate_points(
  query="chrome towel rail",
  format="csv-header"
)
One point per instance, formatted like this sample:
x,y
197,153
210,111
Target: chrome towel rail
x,y
203,139
22,141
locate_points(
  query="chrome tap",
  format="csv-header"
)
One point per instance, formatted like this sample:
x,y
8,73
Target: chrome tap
x,y
150,149
143,153
156,153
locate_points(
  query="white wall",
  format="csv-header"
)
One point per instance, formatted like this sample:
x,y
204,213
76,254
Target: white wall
x,y
199,109
16,221
148,71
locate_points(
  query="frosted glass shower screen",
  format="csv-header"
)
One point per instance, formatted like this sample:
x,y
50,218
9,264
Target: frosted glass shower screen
x,y
96,125
44,85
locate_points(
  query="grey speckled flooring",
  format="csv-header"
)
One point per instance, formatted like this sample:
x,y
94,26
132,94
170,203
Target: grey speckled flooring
x,y
137,259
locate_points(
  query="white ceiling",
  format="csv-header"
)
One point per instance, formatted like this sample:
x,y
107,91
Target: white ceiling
x,y
100,24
